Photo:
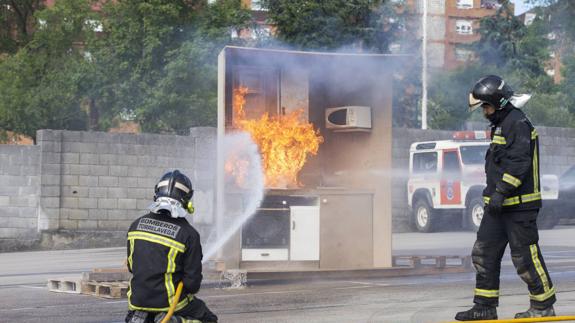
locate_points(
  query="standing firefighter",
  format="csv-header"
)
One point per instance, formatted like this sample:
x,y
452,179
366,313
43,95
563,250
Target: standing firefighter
x,y
164,250
512,200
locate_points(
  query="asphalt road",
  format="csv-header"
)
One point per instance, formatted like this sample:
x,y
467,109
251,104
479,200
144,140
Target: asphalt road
x,y
25,298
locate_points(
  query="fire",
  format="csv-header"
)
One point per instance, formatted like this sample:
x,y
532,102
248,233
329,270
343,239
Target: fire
x,y
284,141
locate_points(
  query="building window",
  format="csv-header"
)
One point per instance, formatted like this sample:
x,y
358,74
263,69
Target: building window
x,y
464,4
490,4
463,27
256,5
463,54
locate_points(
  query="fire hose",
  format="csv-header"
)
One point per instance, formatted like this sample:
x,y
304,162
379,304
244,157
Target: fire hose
x,y
174,303
526,320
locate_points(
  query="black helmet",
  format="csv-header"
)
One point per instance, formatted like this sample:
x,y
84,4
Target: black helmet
x,y
174,185
490,89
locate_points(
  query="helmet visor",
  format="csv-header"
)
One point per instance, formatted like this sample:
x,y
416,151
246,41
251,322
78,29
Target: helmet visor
x,y
474,103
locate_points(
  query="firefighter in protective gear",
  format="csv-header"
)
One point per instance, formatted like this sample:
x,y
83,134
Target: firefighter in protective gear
x,y
512,200
163,250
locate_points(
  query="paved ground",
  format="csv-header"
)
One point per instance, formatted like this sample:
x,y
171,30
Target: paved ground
x,y
24,297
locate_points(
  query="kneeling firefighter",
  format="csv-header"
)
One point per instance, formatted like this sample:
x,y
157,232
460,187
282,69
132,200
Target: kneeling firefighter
x,y
164,250
512,201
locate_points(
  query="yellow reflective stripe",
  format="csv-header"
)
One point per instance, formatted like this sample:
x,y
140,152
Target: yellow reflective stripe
x,y
539,267
170,290
531,197
487,292
511,180
516,200
500,140
180,305
511,201
534,134
131,253
535,171
157,239
543,297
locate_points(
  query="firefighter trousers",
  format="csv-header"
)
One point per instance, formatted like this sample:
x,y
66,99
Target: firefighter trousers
x,y
519,229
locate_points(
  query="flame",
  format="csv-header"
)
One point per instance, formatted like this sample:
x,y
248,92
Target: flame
x,y
284,142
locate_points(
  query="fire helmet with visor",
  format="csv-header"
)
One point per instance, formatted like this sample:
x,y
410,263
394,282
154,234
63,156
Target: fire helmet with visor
x,y
492,90
173,193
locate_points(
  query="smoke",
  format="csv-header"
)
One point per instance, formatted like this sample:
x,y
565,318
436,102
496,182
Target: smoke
x,y
243,189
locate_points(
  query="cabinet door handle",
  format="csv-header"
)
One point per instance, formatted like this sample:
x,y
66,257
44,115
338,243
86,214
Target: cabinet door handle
x,y
293,225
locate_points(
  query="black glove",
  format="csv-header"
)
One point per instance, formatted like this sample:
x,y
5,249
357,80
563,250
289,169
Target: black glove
x,y
495,203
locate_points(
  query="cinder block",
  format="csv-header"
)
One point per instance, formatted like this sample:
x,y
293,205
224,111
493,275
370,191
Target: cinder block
x,y
119,170
108,159
142,204
75,191
79,169
50,180
98,192
141,193
98,214
4,201
107,203
18,222
70,158
138,172
70,180
79,147
87,203
22,201
127,204
118,192
69,224
50,202
70,202
29,212
89,159
147,181
51,157
73,214
128,160
87,224
88,180
128,182
108,181
99,170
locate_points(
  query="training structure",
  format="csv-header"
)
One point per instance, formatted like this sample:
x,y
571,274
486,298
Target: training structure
x,y
336,211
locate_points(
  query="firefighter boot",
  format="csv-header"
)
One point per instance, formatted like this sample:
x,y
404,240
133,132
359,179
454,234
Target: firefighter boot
x,y
478,312
533,312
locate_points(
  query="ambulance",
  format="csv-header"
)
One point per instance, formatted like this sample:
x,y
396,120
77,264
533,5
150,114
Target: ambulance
x,y
446,181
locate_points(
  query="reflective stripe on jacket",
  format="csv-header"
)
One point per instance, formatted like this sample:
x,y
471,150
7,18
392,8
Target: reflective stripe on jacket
x,y
512,163
162,251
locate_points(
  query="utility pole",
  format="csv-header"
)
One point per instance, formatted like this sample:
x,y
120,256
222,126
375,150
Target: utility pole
x,y
424,67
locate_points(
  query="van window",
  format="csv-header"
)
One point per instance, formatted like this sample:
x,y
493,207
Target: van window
x,y
473,154
451,162
424,163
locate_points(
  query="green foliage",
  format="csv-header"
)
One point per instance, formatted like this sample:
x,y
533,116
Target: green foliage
x,y
41,84
16,23
517,53
327,25
157,63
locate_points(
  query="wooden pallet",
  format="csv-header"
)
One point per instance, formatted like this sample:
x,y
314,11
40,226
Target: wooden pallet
x,y
105,289
70,285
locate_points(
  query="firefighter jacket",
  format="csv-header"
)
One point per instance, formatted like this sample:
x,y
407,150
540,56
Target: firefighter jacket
x,y
162,251
512,163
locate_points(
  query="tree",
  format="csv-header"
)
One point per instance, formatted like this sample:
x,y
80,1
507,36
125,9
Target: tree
x,y
157,61
326,25
40,85
17,23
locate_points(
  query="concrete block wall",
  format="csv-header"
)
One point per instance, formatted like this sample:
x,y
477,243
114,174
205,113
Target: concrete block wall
x,y
19,179
98,182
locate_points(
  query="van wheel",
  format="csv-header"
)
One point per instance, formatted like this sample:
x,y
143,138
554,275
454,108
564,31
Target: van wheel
x,y
474,210
424,218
